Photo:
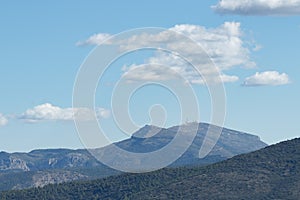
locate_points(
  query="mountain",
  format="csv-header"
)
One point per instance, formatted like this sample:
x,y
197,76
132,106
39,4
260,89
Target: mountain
x,y
269,173
151,138
46,159
41,167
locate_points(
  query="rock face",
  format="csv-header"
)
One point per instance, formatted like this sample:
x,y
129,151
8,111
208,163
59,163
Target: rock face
x,y
12,163
41,179
65,163
16,163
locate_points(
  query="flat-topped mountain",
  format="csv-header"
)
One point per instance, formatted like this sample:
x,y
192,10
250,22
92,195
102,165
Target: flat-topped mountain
x,y
48,166
230,142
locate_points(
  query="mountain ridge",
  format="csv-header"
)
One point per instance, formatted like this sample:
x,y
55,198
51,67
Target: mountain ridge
x,y
269,173
54,162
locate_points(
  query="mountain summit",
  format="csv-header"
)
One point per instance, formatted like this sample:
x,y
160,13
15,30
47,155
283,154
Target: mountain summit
x,y
152,138
41,167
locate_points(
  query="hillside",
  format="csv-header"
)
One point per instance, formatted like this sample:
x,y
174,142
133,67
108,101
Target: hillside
x,y
41,167
269,173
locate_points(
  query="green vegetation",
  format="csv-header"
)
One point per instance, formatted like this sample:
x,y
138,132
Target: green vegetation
x,y
269,173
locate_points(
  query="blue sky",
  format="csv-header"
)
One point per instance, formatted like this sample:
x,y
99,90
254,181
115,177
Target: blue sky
x,y
40,58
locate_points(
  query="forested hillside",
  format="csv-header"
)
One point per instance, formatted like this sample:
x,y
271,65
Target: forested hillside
x,y
269,173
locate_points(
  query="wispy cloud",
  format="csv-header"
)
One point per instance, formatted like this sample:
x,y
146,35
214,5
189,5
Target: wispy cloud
x,y
3,120
49,112
258,7
267,78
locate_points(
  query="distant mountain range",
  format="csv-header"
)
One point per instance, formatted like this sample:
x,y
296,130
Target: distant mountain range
x,y
41,167
270,173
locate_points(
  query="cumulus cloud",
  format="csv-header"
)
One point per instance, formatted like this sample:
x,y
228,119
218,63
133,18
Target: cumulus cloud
x,y
155,72
267,78
258,7
3,120
48,112
224,45
149,72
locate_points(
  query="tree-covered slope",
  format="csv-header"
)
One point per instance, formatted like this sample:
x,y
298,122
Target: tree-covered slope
x,y
269,173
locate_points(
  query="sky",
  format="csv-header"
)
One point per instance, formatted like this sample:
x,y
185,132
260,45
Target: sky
x,y
254,45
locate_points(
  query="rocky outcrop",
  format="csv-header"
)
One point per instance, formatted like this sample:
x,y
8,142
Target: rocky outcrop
x,y
43,178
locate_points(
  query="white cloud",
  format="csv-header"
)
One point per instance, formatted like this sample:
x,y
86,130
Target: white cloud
x,y
95,39
224,45
155,72
3,120
258,7
48,112
229,79
267,78
149,72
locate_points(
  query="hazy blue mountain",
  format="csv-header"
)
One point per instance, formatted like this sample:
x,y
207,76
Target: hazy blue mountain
x,y
41,167
229,144
270,173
